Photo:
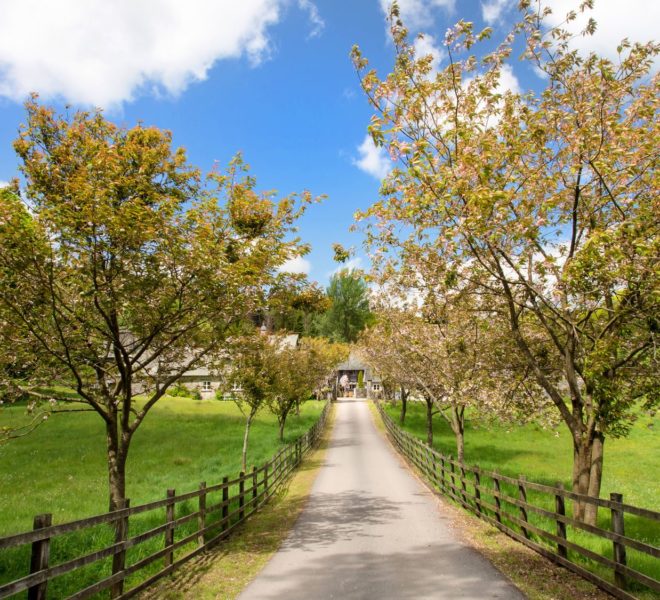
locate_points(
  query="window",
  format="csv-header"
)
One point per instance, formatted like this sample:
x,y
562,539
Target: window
x,y
375,387
206,386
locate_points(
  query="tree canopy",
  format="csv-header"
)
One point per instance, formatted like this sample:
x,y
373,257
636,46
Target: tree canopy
x,y
545,205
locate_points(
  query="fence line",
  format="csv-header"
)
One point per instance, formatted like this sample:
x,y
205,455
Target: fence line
x,y
505,504
203,527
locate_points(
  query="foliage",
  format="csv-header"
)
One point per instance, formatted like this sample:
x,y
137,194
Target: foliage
x,y
121,270
300,372
349,310
543,205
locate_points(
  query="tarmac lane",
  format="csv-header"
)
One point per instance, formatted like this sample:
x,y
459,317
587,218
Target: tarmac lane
x,y
371,530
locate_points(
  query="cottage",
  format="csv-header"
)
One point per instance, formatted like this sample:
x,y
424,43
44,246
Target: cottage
x,y
355,378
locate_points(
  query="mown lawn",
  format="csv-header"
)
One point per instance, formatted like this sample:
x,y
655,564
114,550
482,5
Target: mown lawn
x,y
545,456
61,467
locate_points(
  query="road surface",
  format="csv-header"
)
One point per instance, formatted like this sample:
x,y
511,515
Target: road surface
x,y
371,530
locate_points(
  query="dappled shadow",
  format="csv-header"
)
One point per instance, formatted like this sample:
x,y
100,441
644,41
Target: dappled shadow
x,y
441,570
329,518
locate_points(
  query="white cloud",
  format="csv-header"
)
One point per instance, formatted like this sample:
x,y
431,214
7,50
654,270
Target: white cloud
x,y
492,11
318,24
4,184
104,53
351,265
373,159
417,14
635,19
297,264
508,80
426,45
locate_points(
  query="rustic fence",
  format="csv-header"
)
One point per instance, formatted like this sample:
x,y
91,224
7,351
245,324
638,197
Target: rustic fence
x,y
536,515
137,552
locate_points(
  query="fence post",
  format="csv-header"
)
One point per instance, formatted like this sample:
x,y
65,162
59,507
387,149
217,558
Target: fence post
x,y
254,487
496,495
453,481
119,558
522,495
169,530
225,503
40,557
560,510
266,494
619,548
201,518
442,473
477,490
241,494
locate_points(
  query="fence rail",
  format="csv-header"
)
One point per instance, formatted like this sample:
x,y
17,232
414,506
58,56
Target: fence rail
x,y
504,503
197,529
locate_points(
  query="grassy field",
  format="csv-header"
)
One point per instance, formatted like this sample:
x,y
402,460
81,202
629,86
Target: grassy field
x,y
630,468
61,467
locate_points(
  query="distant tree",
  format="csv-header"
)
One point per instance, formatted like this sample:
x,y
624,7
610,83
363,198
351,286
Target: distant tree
x,y
349,310
250,378
299,372
120,270
294,304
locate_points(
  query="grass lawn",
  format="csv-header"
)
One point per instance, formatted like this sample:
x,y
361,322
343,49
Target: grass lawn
x,y
630,468
61,467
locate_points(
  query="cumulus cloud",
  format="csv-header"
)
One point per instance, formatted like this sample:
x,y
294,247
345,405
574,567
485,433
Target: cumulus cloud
x,y
4,184
104,53
417,14
372,159
351,265
426,45
297,264
492,11
635,19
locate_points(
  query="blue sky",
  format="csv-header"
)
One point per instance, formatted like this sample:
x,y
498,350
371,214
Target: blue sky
x,y
269,78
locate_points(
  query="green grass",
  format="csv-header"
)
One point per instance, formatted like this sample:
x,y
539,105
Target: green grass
x,y
60,468
543,456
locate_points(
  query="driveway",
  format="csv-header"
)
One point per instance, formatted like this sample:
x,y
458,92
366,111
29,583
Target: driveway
x,y
371,530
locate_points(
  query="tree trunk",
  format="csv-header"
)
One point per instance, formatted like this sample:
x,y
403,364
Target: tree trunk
x,y
116,468
458,427
282,423
429,422
404,405
245,441
587,475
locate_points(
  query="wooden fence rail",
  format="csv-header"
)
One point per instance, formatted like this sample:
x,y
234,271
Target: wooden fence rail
x,y
197,530
535,515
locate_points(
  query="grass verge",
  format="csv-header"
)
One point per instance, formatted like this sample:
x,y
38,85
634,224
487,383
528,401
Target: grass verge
x,y
222,573
537,577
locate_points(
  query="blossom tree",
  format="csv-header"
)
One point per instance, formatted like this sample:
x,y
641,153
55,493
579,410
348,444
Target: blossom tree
x,y
545,203
121,269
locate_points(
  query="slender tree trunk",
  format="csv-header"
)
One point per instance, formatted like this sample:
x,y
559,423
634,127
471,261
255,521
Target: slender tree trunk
x,y
245,441
116,467
404,405
458,427
282,423
429,422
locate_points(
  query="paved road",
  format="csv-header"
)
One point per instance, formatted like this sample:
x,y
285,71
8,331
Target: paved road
x,y
372,530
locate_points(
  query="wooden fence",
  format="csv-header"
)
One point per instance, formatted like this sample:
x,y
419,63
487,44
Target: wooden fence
x,y
185,532
536,515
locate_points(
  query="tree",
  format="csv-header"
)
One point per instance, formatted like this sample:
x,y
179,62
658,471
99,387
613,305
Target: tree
x,y
250,378
544,203
349,310
121,270
299,372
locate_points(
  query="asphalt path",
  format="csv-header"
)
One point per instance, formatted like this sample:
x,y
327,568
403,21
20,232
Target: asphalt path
x,y
372,530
